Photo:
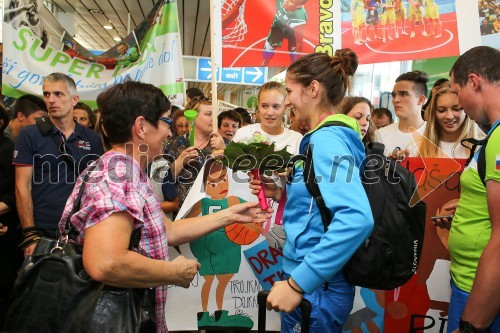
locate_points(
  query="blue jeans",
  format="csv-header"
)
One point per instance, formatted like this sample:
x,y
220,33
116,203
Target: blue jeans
x,y
330,309
457,305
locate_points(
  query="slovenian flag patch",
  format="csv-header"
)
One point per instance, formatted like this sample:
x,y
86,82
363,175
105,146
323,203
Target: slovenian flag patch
x,y
497,167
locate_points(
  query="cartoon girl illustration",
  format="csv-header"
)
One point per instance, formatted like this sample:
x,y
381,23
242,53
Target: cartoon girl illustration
x,y
219,252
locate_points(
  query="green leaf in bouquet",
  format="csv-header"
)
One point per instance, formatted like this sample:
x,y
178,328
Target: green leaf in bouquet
x,y
231,153
241,156
276,161
234,149
252,150
245,163
263,151
237,158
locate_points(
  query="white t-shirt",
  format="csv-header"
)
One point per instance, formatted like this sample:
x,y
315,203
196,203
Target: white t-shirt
x,y
454,149
288,138
392,137
451,149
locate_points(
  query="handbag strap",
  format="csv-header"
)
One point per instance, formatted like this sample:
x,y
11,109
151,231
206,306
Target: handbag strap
x,y
70,230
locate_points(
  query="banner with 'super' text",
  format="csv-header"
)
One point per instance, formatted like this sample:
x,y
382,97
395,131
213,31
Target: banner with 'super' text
x,y
36,45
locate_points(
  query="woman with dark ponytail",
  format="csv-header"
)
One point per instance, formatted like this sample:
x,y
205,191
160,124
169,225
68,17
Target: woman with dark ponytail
x,y
313,259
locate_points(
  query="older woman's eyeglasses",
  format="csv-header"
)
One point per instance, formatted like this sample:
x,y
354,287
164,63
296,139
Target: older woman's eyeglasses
x,y
166,120
202,99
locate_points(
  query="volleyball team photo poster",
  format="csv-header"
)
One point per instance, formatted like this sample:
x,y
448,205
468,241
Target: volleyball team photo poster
x,y
395,30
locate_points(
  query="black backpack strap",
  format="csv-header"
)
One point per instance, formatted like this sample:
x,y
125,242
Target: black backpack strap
x,y
311,185
475,143
481,163
376,148
481,159
310,178
135,238
72,232
313,189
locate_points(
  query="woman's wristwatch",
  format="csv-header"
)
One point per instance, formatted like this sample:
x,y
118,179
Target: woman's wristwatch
x,y
466,327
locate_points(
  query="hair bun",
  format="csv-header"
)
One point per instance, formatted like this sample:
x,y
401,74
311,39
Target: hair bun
x,y
347,59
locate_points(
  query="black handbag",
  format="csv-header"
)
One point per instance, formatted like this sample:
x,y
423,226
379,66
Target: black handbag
x,y
53,292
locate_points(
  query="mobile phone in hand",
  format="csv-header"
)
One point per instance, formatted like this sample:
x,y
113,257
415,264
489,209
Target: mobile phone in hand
x,y
449,217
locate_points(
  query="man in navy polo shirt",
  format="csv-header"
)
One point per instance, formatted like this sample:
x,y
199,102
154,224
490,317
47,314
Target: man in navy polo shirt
x,y
48,158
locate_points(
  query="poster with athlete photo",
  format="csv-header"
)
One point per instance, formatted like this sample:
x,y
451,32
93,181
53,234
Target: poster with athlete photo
x,y
489,22
396,30
277,32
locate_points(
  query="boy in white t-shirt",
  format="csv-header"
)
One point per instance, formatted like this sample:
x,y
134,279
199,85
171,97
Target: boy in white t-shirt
x,y
408,96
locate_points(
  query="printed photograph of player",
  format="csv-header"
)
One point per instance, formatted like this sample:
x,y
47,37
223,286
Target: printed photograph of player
x,y
26,13
268,33
33,14
127,51
489,22
371,18
396,30
289,22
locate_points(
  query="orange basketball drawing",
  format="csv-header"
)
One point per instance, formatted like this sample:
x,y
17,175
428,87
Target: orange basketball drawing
x,y
243,234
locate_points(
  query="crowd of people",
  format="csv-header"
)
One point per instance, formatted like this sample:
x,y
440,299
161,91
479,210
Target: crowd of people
x,y
147,154
489,16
